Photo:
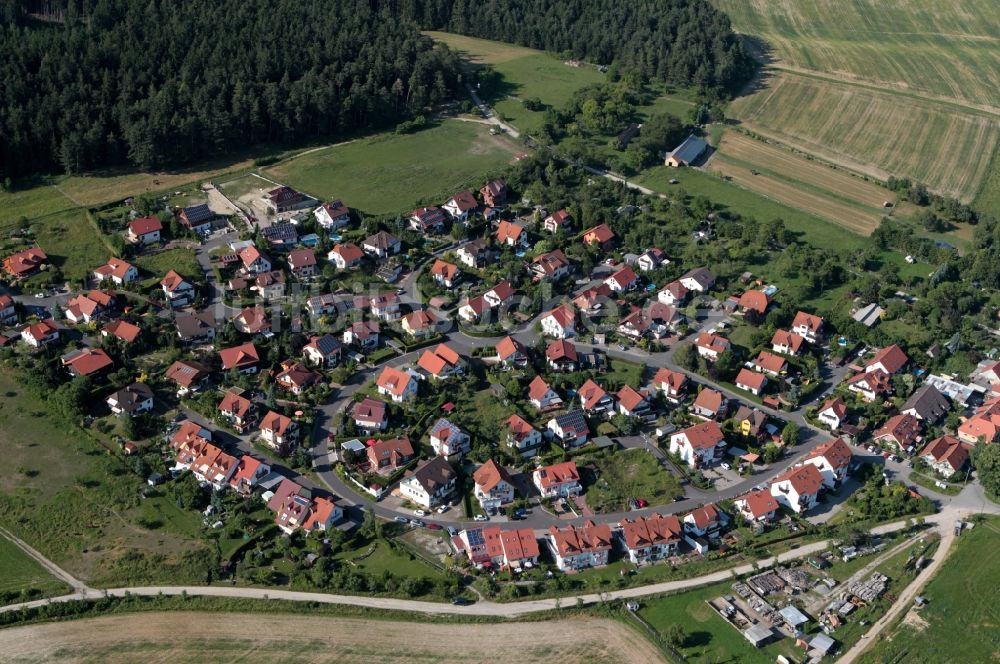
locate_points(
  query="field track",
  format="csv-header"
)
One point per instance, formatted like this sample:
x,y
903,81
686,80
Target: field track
x,y
247,637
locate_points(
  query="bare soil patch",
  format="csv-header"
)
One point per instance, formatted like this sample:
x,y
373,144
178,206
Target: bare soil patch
x,y
215,637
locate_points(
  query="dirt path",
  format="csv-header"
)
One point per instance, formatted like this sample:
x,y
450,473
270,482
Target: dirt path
x,y
905,600
216,637
50,566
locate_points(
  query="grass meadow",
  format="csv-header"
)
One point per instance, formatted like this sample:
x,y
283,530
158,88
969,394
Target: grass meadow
x,y
392,173
20,572
961,601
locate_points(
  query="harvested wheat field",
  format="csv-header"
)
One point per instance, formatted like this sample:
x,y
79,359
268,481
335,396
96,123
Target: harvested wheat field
x,y
247,637
874,132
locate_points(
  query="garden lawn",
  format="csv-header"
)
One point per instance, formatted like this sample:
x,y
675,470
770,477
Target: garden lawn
x,y
181,260
34,202
707,637
392,173
70,241
20,573
624,475
623,372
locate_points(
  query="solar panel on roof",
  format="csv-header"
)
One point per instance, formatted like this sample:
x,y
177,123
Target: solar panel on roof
x,y
476,537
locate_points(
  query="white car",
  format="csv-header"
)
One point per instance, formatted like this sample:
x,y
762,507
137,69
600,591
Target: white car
x,y
420,512
725,466
482,517
443,509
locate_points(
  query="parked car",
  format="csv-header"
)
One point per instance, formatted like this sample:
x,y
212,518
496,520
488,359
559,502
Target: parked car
x,y
482,517
402,519
418,523
420,512
433,526
725,466
452,530
461,601
443,509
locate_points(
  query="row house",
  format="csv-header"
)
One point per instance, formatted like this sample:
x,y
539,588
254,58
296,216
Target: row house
x,y
648,539
579,548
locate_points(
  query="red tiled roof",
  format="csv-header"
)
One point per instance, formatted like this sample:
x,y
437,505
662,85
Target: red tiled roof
x,y
489,475
444,269
755,300
124,330
172,281
709,399
892,359
629,398
652,530
393,380
790,339
591,394
572,541
88,361
948,449
560,473
806,480
301,258
509,346
234,403
704,516
760,503
561,350
837,405
275,422
144,225
601,233
836,452
563,315
813,323
538,388
508,231
239,356
674,379
703,435
750,379
24,261
769,362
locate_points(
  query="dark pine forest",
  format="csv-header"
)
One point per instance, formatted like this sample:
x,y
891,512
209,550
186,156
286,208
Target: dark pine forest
x,y
86,84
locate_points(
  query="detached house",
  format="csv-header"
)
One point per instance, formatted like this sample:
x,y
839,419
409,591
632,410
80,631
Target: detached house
x,y
494,193
601,236
561,355
594,400
295,377
648,539
131,400
632,403
144,230
558,221
501,294
345,256
511,235
570,429
651,259
122,330
758,506
983,426
832,459
238,410
890,360
25,263
623,280
832,413
808,326
926,404
704,521
698,445
430,485
769,363
710,404
493,486
798,488
85,308
195,328
118,271
871,385
700,280
947,455
87,362
427,219
557,481
448,440
398,385
542,396
551,265
370,415
445,274
302,263
441,362
279,432
40,334
511,353
387,456
8,310
420,323
461,206
523,437
751,381
754,304
711,346
270,285
673,384
243,359
381,244
197,218
578,548
900,431
559,322
787,343
362,334
674,294
188,376
177,291
386,307
253,320
475,254
332,215
254,261
322,351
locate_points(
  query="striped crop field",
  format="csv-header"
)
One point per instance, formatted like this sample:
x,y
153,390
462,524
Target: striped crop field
x,y
802,183
873,132
949,49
